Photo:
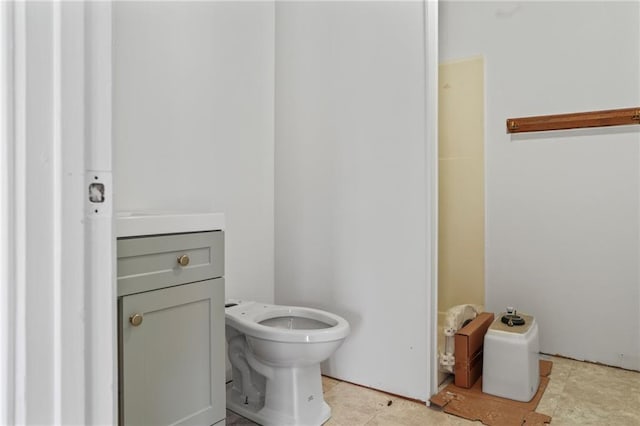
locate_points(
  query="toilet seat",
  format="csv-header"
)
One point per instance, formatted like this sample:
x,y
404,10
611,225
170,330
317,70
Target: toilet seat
x,y
252,318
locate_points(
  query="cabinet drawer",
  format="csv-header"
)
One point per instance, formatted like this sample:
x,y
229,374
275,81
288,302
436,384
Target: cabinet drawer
x,y
149,263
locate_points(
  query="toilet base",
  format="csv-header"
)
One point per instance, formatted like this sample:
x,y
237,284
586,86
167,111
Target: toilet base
x,y
267,417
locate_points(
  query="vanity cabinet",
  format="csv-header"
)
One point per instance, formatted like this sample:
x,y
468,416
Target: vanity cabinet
x,y
171,329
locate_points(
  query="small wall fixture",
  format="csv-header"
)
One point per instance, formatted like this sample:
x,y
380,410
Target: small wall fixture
x,y
578,120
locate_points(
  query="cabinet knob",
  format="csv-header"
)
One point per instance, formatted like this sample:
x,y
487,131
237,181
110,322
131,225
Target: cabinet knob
x,y
135,319
183,260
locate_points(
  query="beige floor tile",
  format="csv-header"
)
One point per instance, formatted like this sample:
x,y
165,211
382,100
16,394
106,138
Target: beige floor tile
x,y
599,395
401,413
354,405
561,367
599,384
411,413
578,394
328,383
433,416
549,401
573,411
559,374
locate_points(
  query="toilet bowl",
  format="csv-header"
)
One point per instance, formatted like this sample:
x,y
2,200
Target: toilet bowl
x,y
275,353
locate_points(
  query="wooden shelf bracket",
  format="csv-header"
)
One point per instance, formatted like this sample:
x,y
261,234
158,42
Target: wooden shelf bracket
x,y
613,117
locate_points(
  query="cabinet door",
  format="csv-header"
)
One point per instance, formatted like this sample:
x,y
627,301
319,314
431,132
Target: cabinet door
x,y
172,363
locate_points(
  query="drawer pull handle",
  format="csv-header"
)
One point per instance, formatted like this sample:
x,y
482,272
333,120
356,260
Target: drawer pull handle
x,y
135,319
183,260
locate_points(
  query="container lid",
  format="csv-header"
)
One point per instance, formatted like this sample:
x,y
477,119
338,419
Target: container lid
x,y
498,325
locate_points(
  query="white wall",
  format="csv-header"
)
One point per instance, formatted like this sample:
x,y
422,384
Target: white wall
x,y
562,207
193,122
351,191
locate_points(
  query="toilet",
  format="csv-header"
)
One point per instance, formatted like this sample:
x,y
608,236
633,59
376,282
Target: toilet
x,y
275,354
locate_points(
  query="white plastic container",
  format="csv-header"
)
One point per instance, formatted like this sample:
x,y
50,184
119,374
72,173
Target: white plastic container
x,y
511,366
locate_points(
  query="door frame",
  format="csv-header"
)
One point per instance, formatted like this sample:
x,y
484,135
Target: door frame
x,y
7,222
55,130
431,176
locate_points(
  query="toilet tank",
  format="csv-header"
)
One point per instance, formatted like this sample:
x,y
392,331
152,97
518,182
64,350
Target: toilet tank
x,y
511,366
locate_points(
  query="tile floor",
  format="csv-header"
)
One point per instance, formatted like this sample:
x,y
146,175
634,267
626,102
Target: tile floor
x,y
578,393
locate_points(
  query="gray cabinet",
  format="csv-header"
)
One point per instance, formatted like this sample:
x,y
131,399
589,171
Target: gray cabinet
x,y
171,329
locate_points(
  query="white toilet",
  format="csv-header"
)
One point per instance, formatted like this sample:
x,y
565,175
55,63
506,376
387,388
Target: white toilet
x,y
275,353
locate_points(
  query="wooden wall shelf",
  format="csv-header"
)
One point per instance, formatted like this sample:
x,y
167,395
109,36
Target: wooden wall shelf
x,y
613,117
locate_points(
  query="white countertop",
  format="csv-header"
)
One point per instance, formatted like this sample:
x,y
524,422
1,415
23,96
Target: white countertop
x,y
131,224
